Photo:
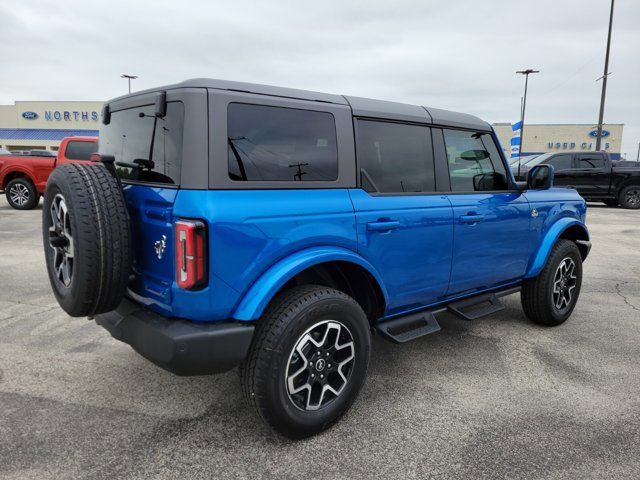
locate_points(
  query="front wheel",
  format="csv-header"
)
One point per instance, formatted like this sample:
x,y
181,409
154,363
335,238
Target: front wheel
x,y
308,360
549,298
630,197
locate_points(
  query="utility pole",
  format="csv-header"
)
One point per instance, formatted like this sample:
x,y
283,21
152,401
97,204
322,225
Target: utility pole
x,y
604,80
129,78
526,74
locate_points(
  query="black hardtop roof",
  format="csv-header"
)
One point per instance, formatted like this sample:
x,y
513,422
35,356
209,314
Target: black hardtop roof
x,y
364,107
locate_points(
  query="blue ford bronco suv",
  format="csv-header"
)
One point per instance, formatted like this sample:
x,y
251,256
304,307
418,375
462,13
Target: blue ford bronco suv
x,y
231,224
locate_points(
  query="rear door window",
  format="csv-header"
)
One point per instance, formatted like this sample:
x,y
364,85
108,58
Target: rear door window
x,y
266,143
395,157
475,164
590,161
77,150
136,134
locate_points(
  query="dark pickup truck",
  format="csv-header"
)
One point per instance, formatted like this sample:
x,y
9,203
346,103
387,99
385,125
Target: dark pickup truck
x,y
593,175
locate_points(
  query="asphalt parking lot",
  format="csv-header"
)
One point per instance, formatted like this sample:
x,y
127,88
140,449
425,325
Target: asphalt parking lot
x,y
495,398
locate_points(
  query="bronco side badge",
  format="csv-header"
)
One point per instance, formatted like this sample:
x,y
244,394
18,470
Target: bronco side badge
x,y
534,214
159,246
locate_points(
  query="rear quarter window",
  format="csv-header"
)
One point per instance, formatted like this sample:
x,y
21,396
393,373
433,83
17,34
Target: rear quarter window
x,y
136,134
266,143
77,150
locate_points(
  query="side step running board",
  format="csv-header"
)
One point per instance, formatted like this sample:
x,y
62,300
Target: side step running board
x,y
481,305
415,325
410,327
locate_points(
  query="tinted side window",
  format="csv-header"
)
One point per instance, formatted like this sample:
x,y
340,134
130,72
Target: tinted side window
x,y
128,138
474,162
560,162
80,150
396,157
281,144
590,161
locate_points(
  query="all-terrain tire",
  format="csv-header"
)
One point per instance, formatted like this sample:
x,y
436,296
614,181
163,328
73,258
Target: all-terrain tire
x,y
86,237
22,194
537,295
286,322
630,197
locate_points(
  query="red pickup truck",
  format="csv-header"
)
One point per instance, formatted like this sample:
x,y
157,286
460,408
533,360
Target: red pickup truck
x,y
23,178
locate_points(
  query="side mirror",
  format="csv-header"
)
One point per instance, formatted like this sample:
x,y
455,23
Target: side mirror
x,y
540,177
486,182
161,104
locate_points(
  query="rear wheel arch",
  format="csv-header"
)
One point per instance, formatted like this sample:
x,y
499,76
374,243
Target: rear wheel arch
x,y
347,277
14,175
333,267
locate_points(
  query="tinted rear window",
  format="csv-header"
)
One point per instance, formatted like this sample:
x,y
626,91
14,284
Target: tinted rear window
x,y
281,144
396,158
590,161
128,137
80,150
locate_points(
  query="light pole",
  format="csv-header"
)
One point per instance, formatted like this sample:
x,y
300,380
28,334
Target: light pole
x,y
638,155
129,78
604,81
526,74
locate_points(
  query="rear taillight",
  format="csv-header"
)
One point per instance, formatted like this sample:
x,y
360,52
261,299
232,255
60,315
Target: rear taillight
x,y
190,241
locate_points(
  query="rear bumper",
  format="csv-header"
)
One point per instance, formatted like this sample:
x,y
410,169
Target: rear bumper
x,y
179,346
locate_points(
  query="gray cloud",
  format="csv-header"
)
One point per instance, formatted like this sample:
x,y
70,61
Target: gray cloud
x,y
460,55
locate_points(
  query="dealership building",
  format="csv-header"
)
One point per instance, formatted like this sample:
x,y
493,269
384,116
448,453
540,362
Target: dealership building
x,y
559,137
38,125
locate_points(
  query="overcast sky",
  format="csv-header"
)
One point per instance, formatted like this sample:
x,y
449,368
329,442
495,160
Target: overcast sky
x,y
458,55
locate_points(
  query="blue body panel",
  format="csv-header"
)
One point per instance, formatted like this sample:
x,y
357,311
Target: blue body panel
x,y
423,250
496,248
558,209
414,255
250,231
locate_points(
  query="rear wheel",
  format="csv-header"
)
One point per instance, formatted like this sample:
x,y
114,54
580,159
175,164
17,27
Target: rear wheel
x,y
308,360
549,298
85,229
22,194
630,197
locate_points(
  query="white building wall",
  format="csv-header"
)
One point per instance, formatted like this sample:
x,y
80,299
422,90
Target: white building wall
x,y
561,137
47,115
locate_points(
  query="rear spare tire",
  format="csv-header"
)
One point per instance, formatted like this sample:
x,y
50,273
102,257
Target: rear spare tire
x,y
87,243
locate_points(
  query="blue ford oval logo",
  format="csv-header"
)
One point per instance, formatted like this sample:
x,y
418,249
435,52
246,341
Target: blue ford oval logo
x,y
594,133
29,115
